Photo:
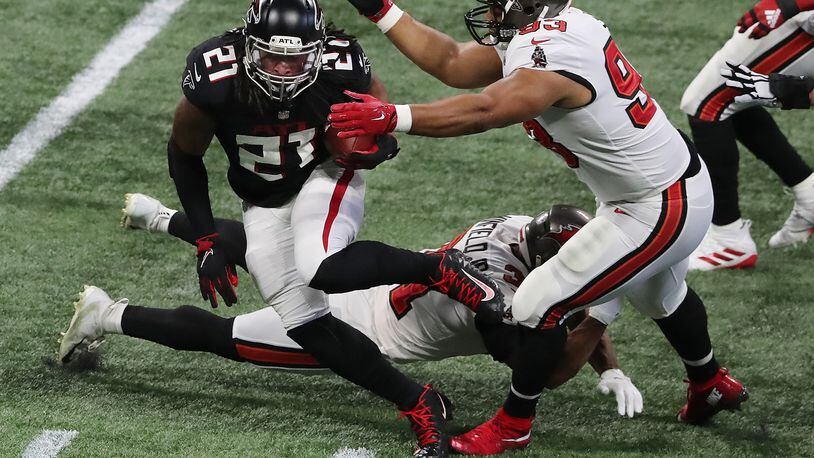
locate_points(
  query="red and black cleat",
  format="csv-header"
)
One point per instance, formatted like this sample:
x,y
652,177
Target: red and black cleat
x,y
721,392
459,280
427,420
497,435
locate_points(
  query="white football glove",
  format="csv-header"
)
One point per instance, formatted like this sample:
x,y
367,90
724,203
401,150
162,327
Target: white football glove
x,y
754,87
628,398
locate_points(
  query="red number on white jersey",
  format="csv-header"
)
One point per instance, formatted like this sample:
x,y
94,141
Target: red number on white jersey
x,y
537,133
627,83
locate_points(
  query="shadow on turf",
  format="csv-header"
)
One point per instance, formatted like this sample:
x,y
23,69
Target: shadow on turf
x,y
251,410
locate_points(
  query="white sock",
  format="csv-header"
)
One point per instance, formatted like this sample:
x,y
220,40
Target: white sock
x,y
112,317
804,191
164,217
734,226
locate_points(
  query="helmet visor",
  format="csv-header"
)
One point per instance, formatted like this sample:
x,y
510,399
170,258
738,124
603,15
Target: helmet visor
x,y
283,66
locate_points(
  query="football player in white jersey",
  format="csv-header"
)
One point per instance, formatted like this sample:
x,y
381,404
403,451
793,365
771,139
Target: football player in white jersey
x,y
407,322
775,36
556,69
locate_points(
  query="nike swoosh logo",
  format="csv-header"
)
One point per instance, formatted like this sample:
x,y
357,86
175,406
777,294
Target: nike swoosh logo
x,y
379,118
519,439
621,212
206,255
535,41
443,407
197,76
490,293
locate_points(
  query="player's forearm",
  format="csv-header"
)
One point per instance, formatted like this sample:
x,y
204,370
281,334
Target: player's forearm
x,y
604,355
460,115
578,349
429,49
192,185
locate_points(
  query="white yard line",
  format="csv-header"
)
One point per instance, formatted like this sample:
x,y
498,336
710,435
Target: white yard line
x,y
354,453
49,443
85,87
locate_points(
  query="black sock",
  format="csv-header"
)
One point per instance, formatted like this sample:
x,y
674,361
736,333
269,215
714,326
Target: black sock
x,y
353,356
758,131
537,354
231,233
184,328
366,264
686,330
718,148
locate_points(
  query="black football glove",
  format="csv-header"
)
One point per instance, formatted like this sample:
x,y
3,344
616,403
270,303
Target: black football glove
x,y
216,273
386,148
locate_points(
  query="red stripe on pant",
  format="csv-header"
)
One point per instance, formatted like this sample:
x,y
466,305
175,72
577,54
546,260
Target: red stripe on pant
x,y
773,61
671,222
276,356
333,207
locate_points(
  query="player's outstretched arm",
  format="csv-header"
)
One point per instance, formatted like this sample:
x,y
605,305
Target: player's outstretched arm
x,y
505,102
590,342
192,131
460,65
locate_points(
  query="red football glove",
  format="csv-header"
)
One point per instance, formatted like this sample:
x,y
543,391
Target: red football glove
x,y
771,14
371,116
216,274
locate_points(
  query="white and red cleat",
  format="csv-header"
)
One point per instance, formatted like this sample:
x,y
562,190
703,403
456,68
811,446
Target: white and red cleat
x,y
721,392
502,432
726,247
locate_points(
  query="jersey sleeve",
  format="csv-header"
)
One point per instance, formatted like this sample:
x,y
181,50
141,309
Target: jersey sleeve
x,y
345,65
210,71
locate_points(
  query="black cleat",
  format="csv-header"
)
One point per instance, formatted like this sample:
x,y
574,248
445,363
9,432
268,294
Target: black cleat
x,y
459,280
427,420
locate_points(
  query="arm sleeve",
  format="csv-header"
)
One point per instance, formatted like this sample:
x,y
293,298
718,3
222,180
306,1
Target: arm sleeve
x,y
192,185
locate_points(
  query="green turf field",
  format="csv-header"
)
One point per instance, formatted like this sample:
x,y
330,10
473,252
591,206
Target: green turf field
x,y
59,230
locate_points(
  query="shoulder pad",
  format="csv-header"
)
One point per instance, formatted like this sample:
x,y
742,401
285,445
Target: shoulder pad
x,y
211,68
345,63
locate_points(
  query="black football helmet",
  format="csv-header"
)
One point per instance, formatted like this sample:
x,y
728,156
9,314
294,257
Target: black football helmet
x,y
543,236
284,30
497,21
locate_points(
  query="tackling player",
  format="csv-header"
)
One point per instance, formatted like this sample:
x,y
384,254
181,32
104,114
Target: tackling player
x,y
407,322
264,90
773,37
557,70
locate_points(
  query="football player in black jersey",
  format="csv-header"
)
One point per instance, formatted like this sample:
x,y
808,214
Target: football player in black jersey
x,y
264,90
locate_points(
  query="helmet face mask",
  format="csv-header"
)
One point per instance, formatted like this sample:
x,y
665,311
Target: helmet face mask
x,y
283,56
498,21
543,236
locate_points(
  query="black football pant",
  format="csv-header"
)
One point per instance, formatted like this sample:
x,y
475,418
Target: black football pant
x,y
717,145
333,343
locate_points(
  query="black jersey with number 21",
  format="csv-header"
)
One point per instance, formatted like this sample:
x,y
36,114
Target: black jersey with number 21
x,y
272,153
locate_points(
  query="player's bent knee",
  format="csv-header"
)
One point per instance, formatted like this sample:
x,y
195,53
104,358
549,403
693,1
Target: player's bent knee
x,y
539,291
307,269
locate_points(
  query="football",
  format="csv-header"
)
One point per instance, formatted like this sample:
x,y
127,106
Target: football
x,y
338,147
